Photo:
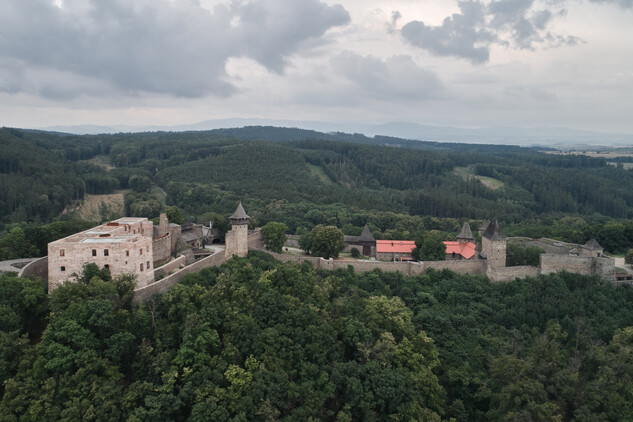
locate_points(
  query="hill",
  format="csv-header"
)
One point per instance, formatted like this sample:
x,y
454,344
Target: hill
x,y
399,187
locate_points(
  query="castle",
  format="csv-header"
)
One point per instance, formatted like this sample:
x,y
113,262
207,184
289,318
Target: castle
x,y
158,257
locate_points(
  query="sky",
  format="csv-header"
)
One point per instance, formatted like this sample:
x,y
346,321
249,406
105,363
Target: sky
x,y
474,63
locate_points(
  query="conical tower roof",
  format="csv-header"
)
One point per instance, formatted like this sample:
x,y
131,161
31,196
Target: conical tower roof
x,y
366,235
466,233
593,245
493,231
239,213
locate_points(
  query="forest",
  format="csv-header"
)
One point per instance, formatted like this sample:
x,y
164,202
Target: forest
x,y
255,339
258,340
400,188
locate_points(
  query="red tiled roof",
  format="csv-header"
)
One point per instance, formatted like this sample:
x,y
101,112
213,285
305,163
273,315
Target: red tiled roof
x,y
394,246
467,250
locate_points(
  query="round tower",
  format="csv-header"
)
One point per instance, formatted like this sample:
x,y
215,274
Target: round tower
x,y
237,237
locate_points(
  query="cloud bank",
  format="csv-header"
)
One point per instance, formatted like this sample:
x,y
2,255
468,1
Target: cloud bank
x,y
160,46
470,33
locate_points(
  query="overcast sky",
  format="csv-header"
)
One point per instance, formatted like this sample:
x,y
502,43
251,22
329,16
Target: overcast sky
x,y
436,62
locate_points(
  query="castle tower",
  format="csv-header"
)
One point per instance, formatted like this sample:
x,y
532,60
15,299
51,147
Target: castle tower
x,y
368,242
493,245
466,235
237,237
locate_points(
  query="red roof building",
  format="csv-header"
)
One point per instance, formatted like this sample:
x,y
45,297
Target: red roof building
x,y
460,250
394,250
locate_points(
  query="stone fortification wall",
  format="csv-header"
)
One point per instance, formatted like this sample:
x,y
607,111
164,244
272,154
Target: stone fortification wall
x,y
256,239
548,245
605,268
551,263
37,268
510,273
407,268
170,267
475,266
161,286
363,266
293,240
162,250
175,232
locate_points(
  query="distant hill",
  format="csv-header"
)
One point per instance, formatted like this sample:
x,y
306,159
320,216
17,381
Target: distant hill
x,y
549,136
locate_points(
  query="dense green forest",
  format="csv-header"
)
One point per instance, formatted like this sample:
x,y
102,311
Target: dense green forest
x,y
255,340
399,188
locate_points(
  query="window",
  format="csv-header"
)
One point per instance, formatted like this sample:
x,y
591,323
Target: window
x,y
106,252
127,253
148,265
140,251
146,248
107,267
63,268
94,252
62,252
141,267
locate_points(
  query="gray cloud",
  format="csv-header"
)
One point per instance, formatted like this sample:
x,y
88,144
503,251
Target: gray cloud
x,y
624,4
470,33
172,47
395,77
395,17
459,35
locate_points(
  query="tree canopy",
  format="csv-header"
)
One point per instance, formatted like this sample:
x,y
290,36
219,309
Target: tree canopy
x,y
274,234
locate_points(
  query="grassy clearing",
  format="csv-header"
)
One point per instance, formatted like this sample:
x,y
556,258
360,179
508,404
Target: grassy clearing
x,y
489,182
318,172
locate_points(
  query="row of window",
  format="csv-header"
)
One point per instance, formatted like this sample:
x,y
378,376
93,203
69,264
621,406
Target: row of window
x,y
106,252
141,267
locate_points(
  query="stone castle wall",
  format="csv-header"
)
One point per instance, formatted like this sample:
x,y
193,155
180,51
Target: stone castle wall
x,y
37,268
170,267
510,273
603,267
161,286
363,266
162,249
66,258
551,263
